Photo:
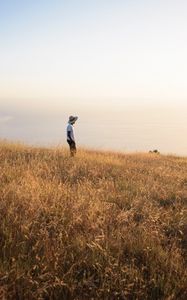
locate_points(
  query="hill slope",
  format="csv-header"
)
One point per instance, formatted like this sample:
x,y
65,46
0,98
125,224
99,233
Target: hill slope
x,y
98,226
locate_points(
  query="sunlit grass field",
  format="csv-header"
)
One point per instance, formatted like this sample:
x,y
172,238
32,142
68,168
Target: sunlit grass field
x,y
101,225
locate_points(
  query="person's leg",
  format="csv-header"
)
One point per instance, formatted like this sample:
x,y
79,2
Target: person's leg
x,y
69,143
73,148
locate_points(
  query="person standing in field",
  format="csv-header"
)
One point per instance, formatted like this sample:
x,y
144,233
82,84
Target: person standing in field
x,y
70,135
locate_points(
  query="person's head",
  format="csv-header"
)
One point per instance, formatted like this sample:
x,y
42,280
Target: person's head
x,y
72,119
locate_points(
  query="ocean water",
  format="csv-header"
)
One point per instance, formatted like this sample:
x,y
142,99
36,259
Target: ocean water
x,y
131,129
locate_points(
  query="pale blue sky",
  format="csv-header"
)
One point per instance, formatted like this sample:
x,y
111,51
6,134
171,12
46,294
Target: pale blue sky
x,y
93,49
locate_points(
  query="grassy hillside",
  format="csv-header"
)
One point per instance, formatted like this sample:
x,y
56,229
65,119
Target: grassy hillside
x,y
98,226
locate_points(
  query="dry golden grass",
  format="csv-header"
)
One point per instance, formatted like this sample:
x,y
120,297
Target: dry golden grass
x,y
101,225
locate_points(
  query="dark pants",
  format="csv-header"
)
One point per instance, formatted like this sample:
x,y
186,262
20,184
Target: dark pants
x,y
72,147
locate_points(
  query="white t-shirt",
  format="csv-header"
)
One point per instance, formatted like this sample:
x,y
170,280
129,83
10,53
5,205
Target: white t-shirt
x,y
71,129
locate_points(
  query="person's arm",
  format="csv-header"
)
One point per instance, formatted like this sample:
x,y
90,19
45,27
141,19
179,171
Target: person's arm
x,y
69,136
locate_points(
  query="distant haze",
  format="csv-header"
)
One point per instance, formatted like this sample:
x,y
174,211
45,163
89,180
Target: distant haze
x,y
123,127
